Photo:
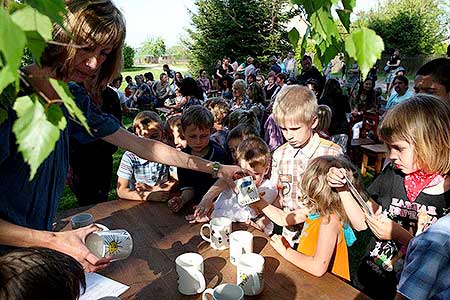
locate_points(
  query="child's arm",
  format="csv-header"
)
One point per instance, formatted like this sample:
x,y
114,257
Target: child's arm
x,y
143,192
177,202
279,216
318,264
335,178
206,203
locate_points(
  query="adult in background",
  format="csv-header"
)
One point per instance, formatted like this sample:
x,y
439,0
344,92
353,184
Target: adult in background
x,y
225,69
250,67
310,72
290,64
144,94
240,97
271,85
365,98
170,73
203,81
191,94
274,67
353,76
400,92
162,89
391,64
339,103
29,207
434,78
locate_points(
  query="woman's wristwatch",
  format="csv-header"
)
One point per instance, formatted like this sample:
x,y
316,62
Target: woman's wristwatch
x,y
216,166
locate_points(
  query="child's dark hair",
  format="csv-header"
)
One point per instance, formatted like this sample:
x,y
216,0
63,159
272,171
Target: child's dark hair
x,y
320,197
145,117
241,131
117,79
219,108
242,116
40,273
254,151
189,87
197,115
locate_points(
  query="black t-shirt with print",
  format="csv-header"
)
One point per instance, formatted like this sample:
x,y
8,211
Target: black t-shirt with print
x,y
380,269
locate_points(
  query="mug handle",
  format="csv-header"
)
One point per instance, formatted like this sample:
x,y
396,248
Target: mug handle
x,y
208,239
206,293
201,279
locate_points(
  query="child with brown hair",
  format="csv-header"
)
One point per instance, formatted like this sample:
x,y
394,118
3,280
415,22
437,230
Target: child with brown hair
x,y
410,194
326,234
197,124
220,110
138,178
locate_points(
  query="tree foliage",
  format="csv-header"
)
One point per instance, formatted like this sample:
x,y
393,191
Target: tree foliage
x,y
414,27
361,44
26,28
128,56
238,29
179,52
153,47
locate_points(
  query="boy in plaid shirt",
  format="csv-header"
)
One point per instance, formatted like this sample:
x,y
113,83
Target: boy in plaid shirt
x,y
295,112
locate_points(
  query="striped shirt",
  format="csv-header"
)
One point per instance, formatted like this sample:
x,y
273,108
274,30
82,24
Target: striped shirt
x,y
136,169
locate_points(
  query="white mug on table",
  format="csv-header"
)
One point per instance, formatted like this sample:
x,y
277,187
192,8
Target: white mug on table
x,y
219,233
241,242
250,273
224,291
189,267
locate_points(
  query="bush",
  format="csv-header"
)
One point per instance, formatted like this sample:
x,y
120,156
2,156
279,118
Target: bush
x,y
128,56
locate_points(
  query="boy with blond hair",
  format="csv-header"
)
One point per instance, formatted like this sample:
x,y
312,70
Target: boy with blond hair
x,y
295,112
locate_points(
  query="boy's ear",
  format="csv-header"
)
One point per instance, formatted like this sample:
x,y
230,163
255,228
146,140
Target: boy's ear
x,y
315,122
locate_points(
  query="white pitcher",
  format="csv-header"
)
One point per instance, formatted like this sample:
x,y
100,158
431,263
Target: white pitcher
x,y
189,268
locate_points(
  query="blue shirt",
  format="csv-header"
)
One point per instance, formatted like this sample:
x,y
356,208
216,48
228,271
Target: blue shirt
x,y
33,204
395,99
426,273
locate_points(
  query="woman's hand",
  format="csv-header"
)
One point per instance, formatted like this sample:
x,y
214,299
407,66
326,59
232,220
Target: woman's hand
x,y
73,243
280,244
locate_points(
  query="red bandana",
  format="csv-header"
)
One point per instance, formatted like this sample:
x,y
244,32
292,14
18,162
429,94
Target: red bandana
x,y
416,182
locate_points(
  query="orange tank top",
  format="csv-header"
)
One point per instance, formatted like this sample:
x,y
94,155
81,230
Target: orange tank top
x,y
308,243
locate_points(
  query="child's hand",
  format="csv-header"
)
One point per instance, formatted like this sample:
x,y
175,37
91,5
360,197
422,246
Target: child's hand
x,y
280,244
203,208
193,219
336,178
384,228
142,187
175,204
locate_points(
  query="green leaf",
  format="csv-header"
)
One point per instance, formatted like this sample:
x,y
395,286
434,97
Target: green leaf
x,y
305,41
30,19
12,43
38,29
365,46
55,9
66,96
349,4
55,116
36,135
344,16
293,36
324,25
311,6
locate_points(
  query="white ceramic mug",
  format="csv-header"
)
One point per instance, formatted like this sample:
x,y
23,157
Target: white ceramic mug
x,y
250,273
241,242
219,233
248,192
225,291
115,243
189,268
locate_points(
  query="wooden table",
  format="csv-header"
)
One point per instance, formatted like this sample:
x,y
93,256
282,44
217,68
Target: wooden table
x,y
159,236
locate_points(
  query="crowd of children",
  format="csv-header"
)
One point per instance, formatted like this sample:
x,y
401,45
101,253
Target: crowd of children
x,y
301,181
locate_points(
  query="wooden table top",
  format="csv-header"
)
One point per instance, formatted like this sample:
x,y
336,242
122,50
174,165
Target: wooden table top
x,y
159,236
